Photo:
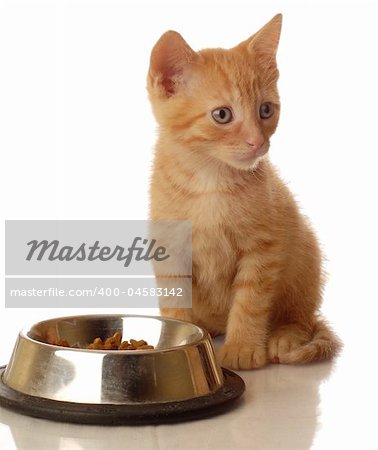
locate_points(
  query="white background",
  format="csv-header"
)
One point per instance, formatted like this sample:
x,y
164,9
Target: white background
x,y
77,135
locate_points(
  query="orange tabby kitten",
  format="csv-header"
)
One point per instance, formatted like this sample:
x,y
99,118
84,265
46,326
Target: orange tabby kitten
x,y
256,263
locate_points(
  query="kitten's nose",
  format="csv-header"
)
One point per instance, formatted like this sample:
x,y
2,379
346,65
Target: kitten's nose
x,y
255,142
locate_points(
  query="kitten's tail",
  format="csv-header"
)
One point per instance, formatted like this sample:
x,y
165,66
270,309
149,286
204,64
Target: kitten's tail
x,y
323,345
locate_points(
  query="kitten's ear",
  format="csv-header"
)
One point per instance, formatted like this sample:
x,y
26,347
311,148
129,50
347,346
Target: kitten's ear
x,y
264,43
169,58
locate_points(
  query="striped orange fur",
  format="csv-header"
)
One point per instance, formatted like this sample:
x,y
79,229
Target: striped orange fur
x,y
257,275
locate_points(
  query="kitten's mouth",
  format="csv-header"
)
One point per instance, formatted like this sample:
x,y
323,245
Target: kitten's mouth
x,y
252,154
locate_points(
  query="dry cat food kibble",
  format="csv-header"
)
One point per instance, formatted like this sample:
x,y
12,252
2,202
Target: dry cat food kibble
x,y
115,343
112,343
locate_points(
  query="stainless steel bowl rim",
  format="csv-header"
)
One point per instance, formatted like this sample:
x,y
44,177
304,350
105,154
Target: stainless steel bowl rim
x,y
24,333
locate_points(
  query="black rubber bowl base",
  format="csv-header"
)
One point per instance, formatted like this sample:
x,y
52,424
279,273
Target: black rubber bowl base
x,y
139,414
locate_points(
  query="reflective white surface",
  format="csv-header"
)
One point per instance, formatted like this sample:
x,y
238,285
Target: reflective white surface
x,y
320,406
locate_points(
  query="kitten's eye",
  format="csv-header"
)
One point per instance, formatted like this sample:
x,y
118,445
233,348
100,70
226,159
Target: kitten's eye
x,y
266,110
222,115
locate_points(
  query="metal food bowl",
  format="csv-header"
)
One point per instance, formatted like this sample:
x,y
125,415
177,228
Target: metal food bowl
x,y
178,380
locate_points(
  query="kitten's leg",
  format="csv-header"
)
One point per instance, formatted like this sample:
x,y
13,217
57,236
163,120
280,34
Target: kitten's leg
x,y
245,345
295,310
300,334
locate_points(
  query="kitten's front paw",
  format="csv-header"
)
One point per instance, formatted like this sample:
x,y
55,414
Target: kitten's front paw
x,y
242,356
